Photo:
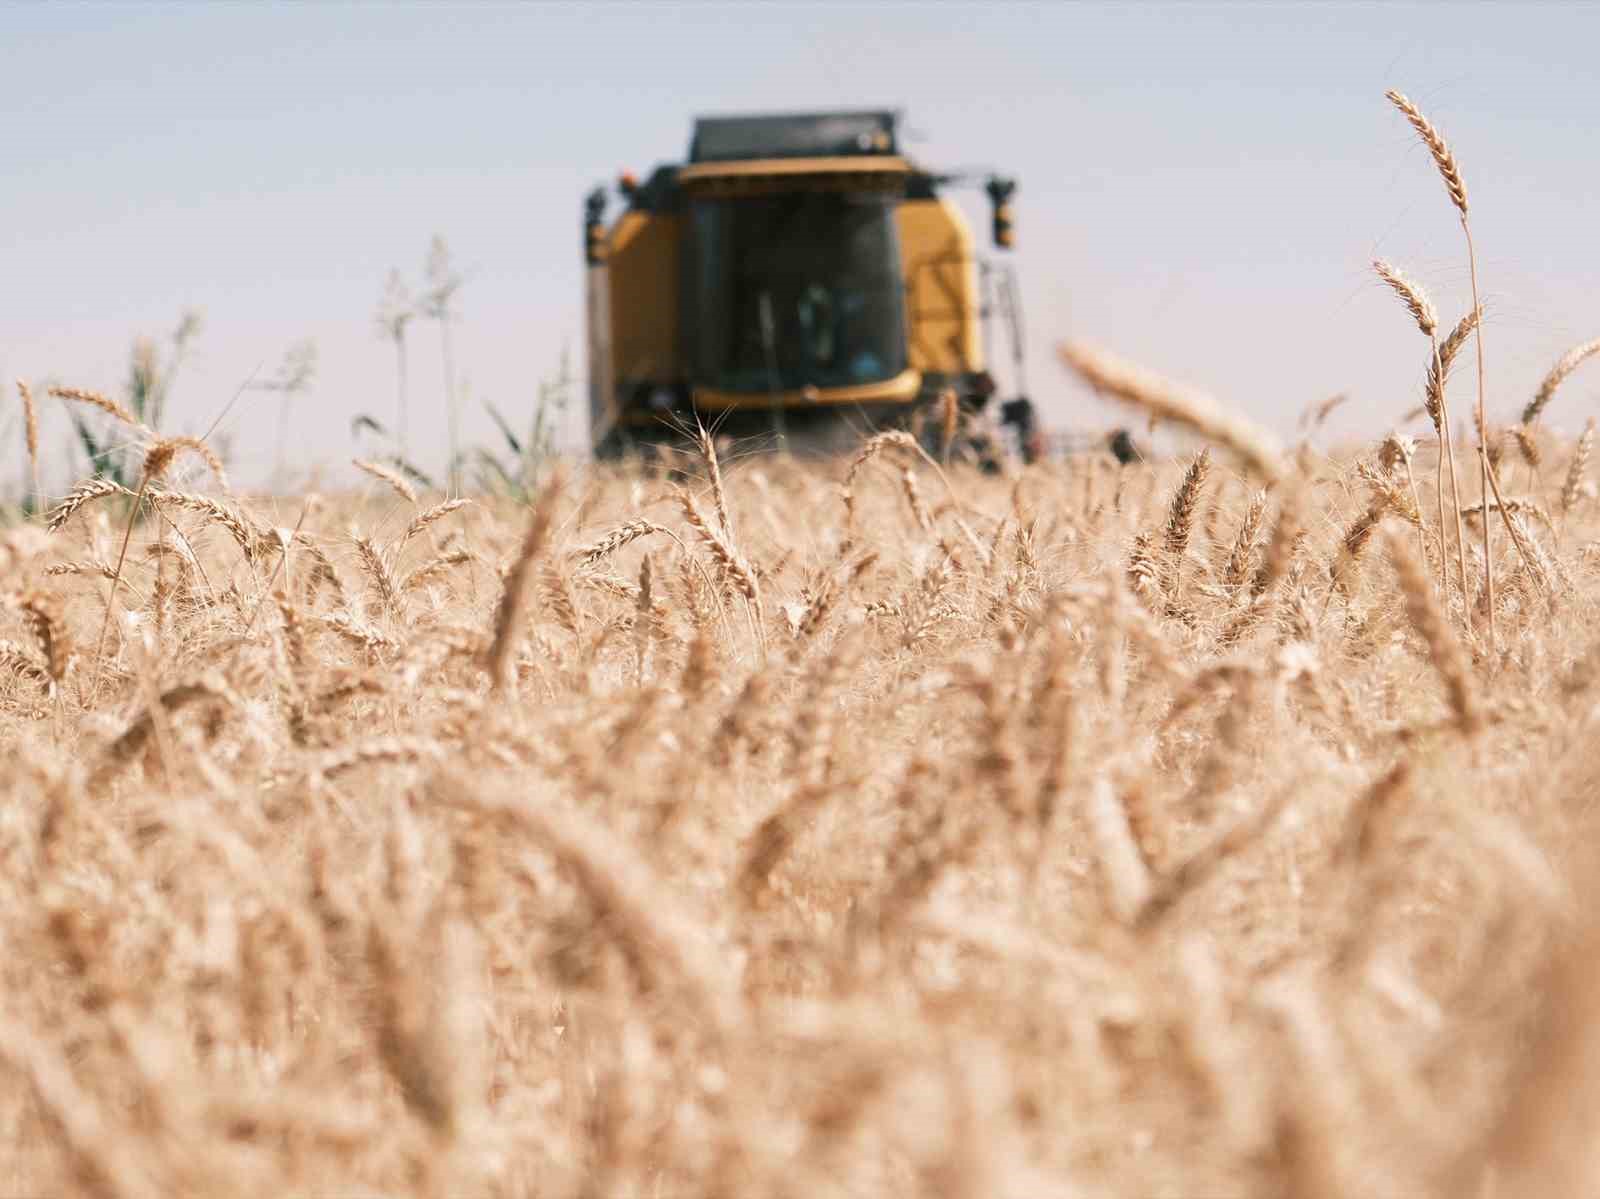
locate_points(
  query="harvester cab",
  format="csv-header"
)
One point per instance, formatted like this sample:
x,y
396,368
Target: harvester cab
x,y
797,276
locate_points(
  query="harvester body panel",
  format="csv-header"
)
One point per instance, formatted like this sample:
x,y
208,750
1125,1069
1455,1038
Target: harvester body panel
x,y
943,313
643,260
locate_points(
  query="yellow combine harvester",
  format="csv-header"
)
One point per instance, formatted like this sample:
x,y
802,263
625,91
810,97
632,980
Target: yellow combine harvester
x,y
797,277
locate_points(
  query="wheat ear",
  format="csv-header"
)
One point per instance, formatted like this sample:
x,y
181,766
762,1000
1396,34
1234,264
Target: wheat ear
x,y
1411,295
428,516
1569,362
513,599
1180,517
397,482
105,403
719,497
1573,487
85,492
160,455
1166,400
1423,312
1449,170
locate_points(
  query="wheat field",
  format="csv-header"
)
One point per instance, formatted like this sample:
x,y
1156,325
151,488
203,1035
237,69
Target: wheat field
x,y
851,828
743,826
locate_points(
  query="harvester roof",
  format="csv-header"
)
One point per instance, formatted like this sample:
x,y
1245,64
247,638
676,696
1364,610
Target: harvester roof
x,y
793,135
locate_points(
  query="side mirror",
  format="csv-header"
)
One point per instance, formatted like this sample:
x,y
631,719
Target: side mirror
x,y
594,230
1000,192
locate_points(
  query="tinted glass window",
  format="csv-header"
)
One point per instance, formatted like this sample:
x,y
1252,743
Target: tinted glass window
x,y
796,289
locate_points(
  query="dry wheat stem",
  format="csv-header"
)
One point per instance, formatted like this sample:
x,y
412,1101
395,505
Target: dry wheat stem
x,y
1487,471
30,426
1422,541
1505,511
1439,407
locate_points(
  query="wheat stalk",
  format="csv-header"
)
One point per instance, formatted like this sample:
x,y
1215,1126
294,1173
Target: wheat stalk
x,y
1450,172
1434,399
30,429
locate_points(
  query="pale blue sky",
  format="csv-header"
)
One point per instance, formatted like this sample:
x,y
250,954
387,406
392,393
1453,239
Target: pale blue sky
x,y
1202,186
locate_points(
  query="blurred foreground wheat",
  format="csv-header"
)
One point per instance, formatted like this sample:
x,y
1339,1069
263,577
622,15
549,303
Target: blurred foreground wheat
x,y
786,829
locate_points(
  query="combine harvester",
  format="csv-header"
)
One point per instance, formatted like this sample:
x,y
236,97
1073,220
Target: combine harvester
x,y
800,279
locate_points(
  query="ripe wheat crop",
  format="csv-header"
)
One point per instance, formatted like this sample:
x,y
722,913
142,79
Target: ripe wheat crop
x,y
874,827
666,838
